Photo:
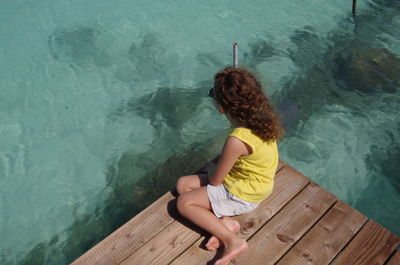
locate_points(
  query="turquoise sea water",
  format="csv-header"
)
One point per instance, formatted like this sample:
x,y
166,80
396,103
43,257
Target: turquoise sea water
x,y
104,104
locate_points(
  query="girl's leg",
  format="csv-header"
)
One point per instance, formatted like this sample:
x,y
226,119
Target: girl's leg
x,y
195,206
192,182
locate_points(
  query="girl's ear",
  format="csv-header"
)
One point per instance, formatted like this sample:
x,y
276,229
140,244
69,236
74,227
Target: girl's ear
x,y
219,108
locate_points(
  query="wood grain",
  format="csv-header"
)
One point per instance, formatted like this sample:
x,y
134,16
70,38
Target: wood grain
x,y
165,246
288,226
325,240
372,245
129,237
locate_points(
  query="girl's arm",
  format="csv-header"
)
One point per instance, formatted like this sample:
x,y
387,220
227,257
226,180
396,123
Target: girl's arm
x,y
233,149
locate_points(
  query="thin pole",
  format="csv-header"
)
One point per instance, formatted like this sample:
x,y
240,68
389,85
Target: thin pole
x,y
235,54
354,7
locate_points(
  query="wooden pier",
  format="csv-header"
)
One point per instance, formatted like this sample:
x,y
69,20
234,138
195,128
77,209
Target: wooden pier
x,y
300,223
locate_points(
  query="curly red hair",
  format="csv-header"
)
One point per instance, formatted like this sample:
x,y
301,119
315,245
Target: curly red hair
x,y
243,98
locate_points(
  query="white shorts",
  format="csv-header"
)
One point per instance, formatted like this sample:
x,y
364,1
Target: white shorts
x,y
225,203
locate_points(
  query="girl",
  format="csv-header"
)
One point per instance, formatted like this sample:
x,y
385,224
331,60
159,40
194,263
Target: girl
x,y
244,175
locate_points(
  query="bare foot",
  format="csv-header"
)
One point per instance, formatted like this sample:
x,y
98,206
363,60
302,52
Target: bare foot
x,y
232,250
213,243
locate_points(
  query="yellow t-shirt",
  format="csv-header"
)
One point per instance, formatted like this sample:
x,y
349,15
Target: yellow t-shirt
x,y
252,176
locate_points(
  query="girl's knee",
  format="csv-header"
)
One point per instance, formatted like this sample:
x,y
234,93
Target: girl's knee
x,y
182,202
191,182
181,185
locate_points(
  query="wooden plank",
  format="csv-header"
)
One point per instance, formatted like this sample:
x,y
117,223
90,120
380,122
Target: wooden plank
x,y
372,245
288,183
324,241
273,240
165,246
129,237
170,243
395,259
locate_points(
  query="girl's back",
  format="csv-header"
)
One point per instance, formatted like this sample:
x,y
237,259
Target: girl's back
x,y
252,176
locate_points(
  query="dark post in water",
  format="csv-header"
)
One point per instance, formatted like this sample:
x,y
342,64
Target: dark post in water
x,y
235,54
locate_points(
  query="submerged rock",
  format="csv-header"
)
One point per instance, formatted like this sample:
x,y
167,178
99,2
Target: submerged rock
x,y
306,42
368,70
166,106
289,111
148,56
260,51
78,45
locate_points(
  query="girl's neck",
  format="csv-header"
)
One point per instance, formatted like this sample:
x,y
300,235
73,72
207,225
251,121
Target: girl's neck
x,y
234,123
